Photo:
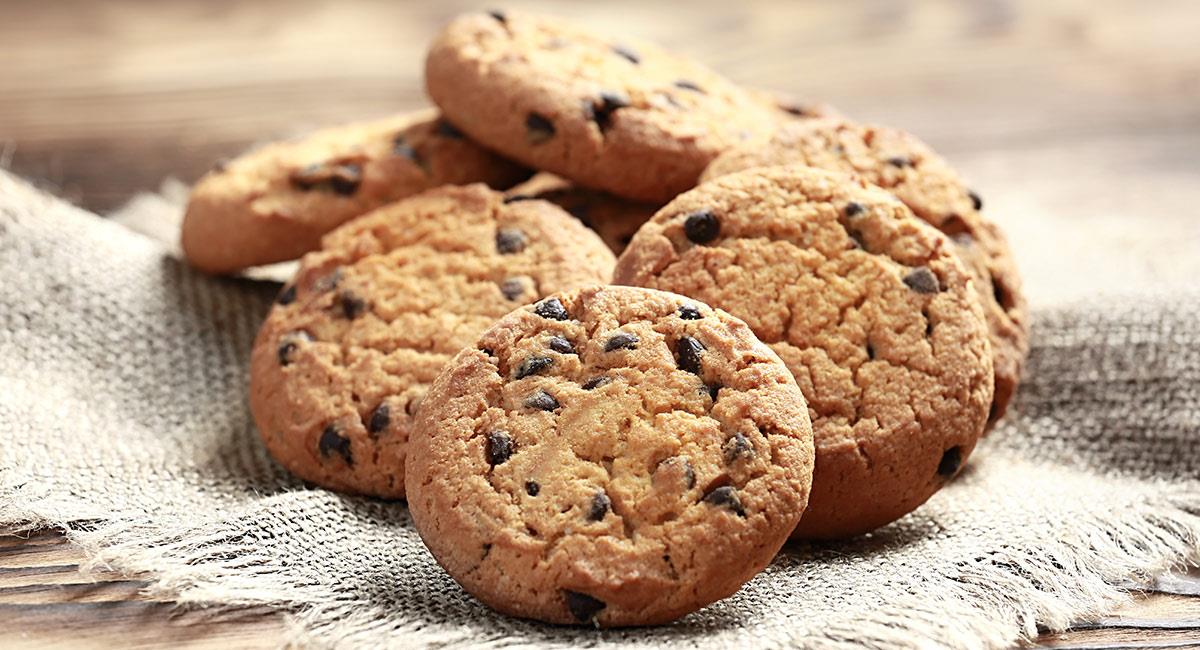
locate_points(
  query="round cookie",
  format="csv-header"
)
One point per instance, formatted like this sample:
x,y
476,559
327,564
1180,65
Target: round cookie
x,y
613,218
617,115
610,456
274,203
345,357
868,307
925,182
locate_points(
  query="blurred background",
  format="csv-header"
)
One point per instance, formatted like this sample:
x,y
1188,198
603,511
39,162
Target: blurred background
x,y
1069,116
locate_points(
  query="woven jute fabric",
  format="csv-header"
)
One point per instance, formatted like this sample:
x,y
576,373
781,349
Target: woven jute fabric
x,y
124,421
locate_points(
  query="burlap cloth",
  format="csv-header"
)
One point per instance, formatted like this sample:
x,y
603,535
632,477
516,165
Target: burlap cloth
x,y
124,421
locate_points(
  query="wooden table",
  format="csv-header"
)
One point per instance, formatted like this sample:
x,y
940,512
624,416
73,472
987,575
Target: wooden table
x,y
1079,113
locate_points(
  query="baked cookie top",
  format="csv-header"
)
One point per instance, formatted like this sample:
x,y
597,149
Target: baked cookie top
x,y
613,218
344,359
614,114
274,203
610,456
925,182
869,308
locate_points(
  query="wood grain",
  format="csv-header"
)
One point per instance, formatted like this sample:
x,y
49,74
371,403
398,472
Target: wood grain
x,y
1082,113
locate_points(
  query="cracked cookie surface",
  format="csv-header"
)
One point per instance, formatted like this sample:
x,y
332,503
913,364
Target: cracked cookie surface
x,y
613,218
344,358
274,203
612,114
869,308
925,182
610,456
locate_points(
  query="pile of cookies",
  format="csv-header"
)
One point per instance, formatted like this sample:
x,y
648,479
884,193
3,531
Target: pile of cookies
x,y
809,325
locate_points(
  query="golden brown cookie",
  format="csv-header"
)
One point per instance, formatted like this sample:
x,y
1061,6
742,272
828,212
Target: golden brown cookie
x,y
345,357
613,218
618,115
610,456
867,305
274,203
906,167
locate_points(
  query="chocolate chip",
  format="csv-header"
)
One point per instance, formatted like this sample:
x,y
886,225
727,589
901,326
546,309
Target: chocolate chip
x,y
352,305
333,442
510,241
512,288
379,420
541,401
621,341
291,343
582,606
287,296
401,148
447,130
799,110
343,179
538,129
680,465
737,446
561,345
328,282
900,161
627,54
600,110
725,497
532,365
976,200
922,280
702,226
499,447
687,352
713,390
551,308
596,382
690,312
517,198
951,461
532,488
499,16
853,208
688,85
600,506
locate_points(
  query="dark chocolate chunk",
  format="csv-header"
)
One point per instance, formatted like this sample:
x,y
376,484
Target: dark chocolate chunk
x,y
951,461
976,200
532,488
499,16
702,226
328,282
352,305
343,179
333,442
512,288
600,110
600,506
447,130
541,401
690,312
582,606
678,464
922,280
499,447
551,308
287,296
797,109
737,446
517,198
538,129
403,149
688,85
621,341
687,353
510,240
627,54
291,343
379,420
726,497
900,161
561,345
596,382
532,365
853,208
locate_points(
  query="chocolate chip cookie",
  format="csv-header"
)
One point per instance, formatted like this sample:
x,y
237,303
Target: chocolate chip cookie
x,y
867,305
909,169
275,203
610,456
612,114
613,218
343,360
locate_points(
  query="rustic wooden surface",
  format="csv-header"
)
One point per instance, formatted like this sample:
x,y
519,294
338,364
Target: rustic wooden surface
x,y
1084,114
